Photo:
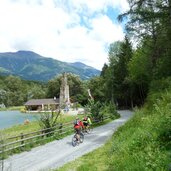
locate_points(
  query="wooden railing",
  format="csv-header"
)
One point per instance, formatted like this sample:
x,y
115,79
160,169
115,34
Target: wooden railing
x,y
22,140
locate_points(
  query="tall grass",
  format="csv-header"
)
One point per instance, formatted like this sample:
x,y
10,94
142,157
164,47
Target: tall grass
x,y
142,144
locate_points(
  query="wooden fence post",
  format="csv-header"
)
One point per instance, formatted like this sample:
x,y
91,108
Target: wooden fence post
x,y
22,137
60,128
42,132
2,155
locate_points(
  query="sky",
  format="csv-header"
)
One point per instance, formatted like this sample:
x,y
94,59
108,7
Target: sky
x,y
66,30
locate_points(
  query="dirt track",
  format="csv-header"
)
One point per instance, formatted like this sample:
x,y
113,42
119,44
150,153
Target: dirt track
x,y
57,153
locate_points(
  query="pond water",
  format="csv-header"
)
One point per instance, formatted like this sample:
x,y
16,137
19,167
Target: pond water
x,y
11,118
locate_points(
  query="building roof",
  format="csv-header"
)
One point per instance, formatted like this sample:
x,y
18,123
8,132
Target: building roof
x,y
41,101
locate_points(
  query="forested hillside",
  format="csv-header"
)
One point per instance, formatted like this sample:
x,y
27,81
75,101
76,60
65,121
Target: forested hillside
x,y
138,75
32,66
15,92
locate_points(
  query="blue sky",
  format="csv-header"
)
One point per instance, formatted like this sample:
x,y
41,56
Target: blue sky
x,y
67,30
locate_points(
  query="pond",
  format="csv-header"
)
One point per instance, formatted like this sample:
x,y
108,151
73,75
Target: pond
x,y
11,118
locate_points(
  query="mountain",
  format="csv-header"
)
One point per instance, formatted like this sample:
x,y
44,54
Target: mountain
x,y
32,66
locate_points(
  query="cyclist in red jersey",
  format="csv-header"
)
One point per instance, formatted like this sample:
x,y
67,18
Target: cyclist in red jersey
x,y
78,125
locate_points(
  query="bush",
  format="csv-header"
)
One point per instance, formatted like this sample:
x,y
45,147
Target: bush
x,y
110,110
157,89
48,121
98,110
160,85
94,109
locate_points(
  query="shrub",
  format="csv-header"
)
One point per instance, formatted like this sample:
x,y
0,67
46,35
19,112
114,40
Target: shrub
x,y
48,121
110,110
94,109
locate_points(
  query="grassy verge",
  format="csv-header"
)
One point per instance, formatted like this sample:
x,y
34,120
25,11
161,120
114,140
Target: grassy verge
x,y
143,143
17,130
13,108
34,126
21,128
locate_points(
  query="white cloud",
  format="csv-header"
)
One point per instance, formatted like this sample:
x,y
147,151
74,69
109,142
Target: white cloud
x,y
99,5
104,30
65,30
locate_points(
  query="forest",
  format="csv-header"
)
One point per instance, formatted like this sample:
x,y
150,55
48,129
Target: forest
x,y
136,65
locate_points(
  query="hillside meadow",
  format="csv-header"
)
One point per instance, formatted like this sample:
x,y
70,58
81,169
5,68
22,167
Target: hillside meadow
x,y
143,143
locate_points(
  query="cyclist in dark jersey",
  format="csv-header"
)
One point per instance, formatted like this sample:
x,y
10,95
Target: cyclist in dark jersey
x,y
87,122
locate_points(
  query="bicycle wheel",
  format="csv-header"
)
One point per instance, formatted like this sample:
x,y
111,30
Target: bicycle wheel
x,y
81,137
74,141
84,130
89,129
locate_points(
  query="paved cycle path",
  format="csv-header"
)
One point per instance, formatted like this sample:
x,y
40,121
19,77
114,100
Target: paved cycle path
x,y
59,152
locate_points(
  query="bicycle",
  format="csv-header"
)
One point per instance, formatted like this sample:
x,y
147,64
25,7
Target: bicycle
x,y
75,140
88,129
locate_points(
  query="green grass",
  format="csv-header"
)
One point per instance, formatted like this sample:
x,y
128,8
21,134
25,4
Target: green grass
x,y
13,108
17,130
142,144
32,126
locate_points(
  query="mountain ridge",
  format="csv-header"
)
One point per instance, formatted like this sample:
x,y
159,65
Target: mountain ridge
x,y
32,66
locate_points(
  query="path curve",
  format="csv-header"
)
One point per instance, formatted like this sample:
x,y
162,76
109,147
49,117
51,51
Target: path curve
x,y
59,152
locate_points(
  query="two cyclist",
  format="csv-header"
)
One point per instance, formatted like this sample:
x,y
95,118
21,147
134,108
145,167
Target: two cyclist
x,y
81,125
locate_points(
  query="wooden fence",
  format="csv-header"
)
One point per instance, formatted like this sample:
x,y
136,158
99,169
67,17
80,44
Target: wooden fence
x,y
22,140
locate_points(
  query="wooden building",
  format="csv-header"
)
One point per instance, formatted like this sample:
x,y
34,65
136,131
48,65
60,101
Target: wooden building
x,y
55,103
42,104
